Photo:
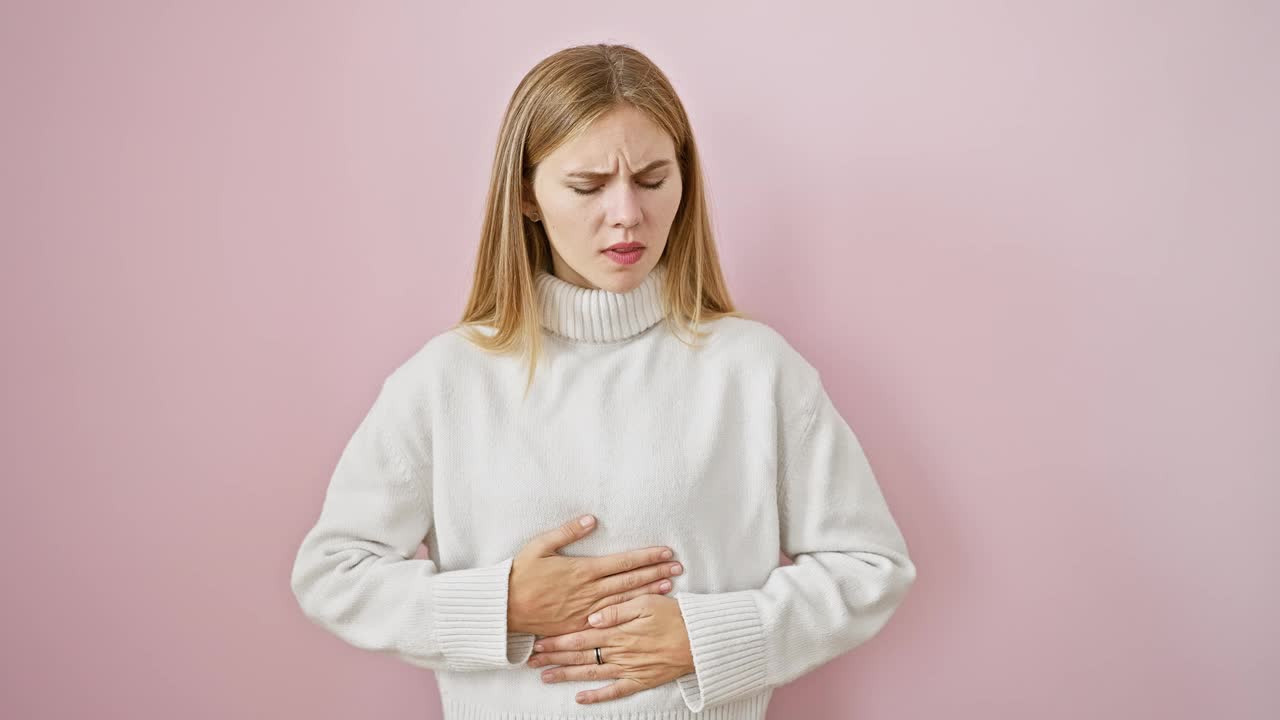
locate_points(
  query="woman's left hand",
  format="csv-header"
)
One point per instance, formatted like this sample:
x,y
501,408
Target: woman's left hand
x,y
643,642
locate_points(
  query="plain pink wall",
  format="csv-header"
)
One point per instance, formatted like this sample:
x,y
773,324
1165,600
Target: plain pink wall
x,y
1033,248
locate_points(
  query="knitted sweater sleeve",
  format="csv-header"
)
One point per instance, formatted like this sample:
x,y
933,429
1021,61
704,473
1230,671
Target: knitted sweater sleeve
x,y
355,573
849,574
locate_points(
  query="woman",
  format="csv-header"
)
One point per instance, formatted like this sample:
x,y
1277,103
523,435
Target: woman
x,y
568,391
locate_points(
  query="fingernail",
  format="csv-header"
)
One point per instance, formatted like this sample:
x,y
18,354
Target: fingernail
x,y
676,570
594,618
666,554
664,585
538,647
586,520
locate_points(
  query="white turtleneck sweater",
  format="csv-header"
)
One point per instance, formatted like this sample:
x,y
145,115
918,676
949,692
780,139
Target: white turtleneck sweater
x,y
728,454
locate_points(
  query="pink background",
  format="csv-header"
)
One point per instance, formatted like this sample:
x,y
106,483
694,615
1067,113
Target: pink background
x,y
1033,248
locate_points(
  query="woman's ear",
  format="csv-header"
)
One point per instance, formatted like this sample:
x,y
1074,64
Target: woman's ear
x,y
528,206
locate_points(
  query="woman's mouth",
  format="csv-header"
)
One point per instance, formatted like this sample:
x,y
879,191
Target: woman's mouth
x,y
625,256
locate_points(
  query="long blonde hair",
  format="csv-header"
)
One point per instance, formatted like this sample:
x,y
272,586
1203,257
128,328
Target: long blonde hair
x,y
560,96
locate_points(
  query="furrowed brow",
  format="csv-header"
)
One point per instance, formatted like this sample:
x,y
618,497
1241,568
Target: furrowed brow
x,y
593,175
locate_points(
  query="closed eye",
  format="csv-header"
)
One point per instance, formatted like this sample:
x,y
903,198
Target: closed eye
x,y
647,186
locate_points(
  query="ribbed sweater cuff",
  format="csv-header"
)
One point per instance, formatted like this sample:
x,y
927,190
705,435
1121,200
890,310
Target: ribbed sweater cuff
x,y
726,636
471,619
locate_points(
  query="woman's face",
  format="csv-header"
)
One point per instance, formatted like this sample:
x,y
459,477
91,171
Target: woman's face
x,y
617,182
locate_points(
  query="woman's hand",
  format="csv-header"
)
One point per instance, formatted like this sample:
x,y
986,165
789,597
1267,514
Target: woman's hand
x,y
643,642
552,594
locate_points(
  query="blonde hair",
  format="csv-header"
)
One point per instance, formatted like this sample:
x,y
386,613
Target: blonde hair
x,y
559,97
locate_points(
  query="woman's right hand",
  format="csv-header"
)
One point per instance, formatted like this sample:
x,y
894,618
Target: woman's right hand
x,y
552,594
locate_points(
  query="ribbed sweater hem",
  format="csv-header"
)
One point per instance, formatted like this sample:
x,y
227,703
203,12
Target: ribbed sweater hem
x,y
752,707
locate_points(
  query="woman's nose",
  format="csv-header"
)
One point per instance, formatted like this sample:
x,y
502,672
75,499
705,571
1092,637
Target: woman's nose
x,y
624,207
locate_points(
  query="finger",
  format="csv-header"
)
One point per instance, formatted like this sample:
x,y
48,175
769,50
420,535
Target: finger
x,y
616,614
654,588
570,532
620,689
564,657
582,672
580,640
634,579
624,561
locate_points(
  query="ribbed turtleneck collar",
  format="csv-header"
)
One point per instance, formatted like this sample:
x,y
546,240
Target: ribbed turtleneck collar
x,y
599,316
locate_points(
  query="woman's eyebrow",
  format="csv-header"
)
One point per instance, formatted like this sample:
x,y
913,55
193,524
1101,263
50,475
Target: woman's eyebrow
x,y
593,175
